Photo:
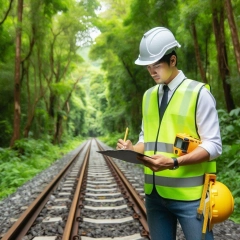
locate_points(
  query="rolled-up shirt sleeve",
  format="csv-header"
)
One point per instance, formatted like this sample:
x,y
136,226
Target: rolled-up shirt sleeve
x,y
208,124
141,135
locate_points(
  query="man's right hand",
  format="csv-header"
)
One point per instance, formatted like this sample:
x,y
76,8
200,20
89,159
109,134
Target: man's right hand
x,y
139,147
124,145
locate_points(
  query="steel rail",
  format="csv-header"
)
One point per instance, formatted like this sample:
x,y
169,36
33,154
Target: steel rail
x,y
23,224
71,227
135,201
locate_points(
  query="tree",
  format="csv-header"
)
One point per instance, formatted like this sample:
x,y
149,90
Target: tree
x,y
17,89
51,33
58,131
197,53
234,31
68,29
218,27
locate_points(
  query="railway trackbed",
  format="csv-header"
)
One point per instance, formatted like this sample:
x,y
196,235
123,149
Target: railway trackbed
x,y
91,198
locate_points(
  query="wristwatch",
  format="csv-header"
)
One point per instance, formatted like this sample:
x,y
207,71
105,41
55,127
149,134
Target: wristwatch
x,y
175,164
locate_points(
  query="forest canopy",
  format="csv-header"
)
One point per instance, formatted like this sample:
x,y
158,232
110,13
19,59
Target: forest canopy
x,y
209,53
58,80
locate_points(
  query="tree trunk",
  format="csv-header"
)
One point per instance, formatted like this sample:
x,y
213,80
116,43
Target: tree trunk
x,y
28,125
234,32
57,135
218,28
32,103
58,126
17,87
197,53
52,100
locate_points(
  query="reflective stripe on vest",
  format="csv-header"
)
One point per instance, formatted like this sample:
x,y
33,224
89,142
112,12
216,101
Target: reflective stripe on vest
x,y
161,146
186,182
173,182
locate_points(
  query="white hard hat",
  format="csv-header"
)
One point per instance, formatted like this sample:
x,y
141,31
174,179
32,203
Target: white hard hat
x,y
156,43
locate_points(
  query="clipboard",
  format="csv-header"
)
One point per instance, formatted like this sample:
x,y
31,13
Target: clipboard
x,y
125,155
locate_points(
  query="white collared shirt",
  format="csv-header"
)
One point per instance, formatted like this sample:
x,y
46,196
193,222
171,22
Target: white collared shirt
x,y
206,118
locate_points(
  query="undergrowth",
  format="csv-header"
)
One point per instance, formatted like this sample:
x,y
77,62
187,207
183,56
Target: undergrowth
x,y
26,159
228,164
111,139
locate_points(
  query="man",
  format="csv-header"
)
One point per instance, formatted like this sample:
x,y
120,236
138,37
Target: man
x,y
173,184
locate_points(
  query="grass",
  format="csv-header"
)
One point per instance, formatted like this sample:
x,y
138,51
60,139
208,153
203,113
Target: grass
x,y
26,159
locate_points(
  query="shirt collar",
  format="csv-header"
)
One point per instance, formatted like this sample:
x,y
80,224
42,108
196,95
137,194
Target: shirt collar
x,y
175,82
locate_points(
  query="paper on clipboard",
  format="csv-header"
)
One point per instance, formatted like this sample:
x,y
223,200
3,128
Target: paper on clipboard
x,y
125,155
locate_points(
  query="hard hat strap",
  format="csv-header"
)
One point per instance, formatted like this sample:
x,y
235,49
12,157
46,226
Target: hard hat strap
x,y
204,207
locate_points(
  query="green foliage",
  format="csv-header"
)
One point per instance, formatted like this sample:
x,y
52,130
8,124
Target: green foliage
x,y
28,158
30,147
228,164
52,32
124,82
6,130
111,139
230,126
54,6
122,27
62,88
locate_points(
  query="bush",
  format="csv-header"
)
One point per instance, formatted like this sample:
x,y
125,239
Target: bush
x,y
111,139
228,164
26,159
230,126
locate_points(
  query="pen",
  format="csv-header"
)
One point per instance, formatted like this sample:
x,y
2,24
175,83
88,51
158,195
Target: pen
x,y
126,133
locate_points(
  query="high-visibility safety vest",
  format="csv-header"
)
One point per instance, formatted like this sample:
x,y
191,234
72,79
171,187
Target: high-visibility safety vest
x,y
186,182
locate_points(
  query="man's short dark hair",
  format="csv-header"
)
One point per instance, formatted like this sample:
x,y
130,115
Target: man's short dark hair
x,y
166,58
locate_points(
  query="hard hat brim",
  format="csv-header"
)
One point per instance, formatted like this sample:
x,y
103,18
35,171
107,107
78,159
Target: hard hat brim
x,y
140,61
144,63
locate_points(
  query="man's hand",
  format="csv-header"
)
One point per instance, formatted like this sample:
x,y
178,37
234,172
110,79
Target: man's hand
x,y
157,162
124,145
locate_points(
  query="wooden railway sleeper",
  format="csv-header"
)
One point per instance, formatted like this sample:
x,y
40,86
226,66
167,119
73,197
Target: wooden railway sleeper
x,y
136,216
79,219
76,238
144,233
126,196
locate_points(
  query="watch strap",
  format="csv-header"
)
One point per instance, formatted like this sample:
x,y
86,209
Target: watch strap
x,y
175,163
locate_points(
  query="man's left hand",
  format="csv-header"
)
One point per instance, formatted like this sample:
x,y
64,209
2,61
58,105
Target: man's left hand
x,y
157,162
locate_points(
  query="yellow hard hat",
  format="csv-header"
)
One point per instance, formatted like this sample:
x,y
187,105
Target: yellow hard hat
x,y
221,203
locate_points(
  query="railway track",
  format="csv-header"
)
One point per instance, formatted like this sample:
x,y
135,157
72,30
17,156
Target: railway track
x,y
89,199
